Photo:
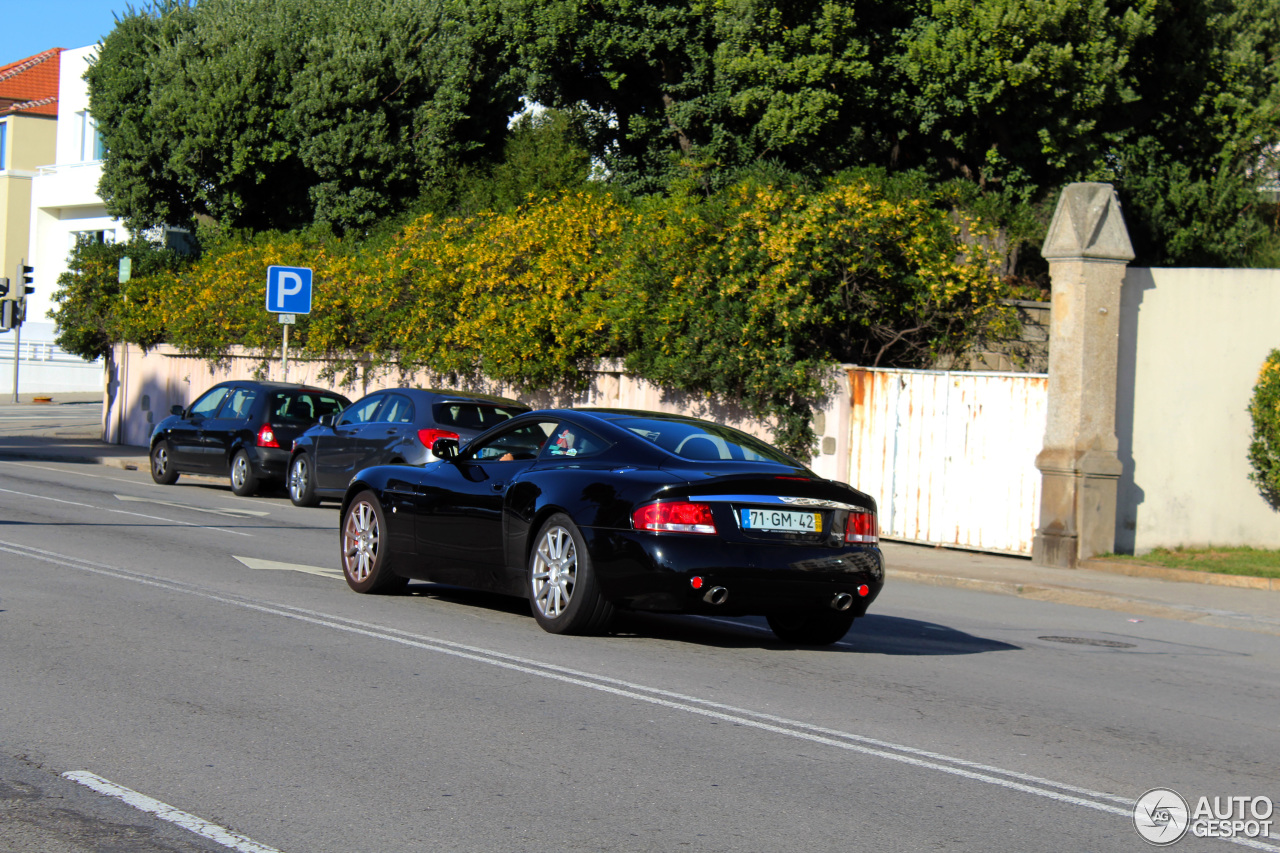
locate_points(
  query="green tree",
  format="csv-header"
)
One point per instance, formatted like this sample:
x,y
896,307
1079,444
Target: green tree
x,y
91,311
1019,93
545,155
279,113
1205,134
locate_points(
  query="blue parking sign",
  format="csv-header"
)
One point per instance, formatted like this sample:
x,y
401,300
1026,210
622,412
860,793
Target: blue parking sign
x,y
289,290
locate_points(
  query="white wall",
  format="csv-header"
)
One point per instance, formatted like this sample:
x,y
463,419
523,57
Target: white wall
x,y
43,368
1191,344
141,386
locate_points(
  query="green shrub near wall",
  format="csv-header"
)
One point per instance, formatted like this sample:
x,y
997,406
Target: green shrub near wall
x,y
1264,450
750,296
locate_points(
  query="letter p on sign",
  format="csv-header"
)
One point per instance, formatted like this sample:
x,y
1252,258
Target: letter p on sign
x,y
289,290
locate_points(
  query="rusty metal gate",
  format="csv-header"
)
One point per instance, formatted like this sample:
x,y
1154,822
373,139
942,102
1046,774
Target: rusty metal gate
x,y
950,456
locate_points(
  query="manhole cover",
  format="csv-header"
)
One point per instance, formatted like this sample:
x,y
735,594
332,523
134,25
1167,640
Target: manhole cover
x,y
1085,641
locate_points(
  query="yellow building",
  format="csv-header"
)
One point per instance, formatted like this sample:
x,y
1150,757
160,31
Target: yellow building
x,y
28,132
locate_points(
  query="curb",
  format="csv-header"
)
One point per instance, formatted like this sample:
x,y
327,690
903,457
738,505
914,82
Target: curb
x,y
1146,570
1095,600
129,463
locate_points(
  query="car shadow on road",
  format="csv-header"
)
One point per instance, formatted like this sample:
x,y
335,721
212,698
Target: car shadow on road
x,y
871,634
893,635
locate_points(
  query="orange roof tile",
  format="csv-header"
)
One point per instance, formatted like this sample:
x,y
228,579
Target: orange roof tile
x,y
31,85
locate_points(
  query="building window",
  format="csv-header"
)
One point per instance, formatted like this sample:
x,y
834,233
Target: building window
x,y
4,149
92,237
91,145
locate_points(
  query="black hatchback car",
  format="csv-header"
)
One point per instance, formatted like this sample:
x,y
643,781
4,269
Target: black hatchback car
x,y
242,428
392,427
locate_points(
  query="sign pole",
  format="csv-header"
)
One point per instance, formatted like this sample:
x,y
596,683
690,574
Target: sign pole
x,y
286,352
17,345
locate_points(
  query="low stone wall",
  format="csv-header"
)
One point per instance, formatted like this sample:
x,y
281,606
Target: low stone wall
x,y
142,386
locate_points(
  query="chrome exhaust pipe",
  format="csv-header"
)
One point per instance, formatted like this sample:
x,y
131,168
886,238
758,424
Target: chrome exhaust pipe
x,y
841,601
717,595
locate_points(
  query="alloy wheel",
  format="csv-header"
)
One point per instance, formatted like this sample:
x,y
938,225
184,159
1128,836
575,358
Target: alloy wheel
x,y
555,572
360,537
239,471
298,475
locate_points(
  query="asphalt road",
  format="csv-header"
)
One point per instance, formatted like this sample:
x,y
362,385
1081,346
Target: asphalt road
x,y
202,650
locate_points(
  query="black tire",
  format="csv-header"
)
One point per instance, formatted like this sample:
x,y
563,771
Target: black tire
x,y
811,627
563,592
363,549
162,470
243,481
302,482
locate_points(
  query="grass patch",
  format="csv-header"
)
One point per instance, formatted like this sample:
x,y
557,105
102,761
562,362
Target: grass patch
x,y
1223,561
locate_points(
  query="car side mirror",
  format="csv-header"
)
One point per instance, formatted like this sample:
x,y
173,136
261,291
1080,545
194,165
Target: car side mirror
x,y
175,409
445,448
327,420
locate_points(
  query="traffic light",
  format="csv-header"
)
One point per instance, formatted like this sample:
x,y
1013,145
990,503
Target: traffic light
x,y
9,315
26,276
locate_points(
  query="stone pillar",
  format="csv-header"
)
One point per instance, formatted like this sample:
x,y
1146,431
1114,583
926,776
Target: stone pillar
x,y
1088,250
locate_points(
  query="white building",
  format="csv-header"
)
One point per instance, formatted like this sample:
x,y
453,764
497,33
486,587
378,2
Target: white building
x,y
64,195
64,206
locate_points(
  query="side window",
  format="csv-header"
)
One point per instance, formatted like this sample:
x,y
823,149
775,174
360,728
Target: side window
x,y
301,408
361,412
326,405
236,405
514,445
573,442
479,416
398,410
208,404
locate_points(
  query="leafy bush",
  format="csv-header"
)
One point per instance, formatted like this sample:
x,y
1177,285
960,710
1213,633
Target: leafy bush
x,y
1264,450
92,311
749,297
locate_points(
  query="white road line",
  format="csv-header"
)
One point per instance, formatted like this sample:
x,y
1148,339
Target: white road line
x,y
231,511
1008,779
124,512
164,811
272,565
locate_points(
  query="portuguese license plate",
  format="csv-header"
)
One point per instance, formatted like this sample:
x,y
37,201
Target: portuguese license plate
x,y
785,520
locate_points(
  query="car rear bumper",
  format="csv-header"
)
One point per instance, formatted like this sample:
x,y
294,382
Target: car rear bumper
x,y
271,463
651,571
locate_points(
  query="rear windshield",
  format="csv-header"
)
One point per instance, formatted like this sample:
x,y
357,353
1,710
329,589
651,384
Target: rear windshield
x,y
704,442
304,407
478,416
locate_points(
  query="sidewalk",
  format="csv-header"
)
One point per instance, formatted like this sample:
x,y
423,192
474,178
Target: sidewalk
x,y
67,429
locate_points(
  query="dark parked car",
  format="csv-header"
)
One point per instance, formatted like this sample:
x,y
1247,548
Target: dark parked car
x,y
243,429
584,512
392,427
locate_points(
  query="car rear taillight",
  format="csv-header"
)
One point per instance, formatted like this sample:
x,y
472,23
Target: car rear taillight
x,y
429,437
267,436
861,528
674,517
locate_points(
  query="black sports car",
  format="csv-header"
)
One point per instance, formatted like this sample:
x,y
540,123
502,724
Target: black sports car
x,y
392,427
240,428
587,511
